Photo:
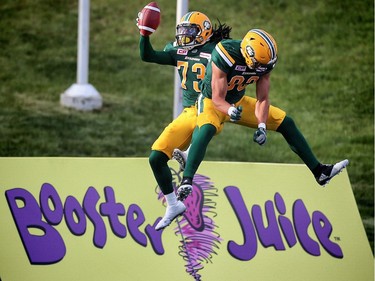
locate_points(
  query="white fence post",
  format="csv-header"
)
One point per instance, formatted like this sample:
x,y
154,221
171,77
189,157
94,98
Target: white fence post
x,y
182,9
82,95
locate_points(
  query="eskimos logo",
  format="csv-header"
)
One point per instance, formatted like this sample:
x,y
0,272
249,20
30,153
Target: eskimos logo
x,y
267,225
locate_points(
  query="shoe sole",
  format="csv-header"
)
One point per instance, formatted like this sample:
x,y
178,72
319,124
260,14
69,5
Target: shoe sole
x,y
180,160
183,192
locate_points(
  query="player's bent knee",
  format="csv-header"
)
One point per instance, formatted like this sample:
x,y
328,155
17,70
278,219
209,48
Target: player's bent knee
x,y
288,122
156,158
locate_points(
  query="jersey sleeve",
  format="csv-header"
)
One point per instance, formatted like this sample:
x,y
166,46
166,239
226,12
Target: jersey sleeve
x,y
169,47
222,58
148,53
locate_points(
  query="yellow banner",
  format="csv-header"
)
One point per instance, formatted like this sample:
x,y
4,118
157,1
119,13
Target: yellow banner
x,y
94,219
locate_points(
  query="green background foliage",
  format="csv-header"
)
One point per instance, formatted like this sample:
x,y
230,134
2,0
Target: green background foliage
x,y
324,79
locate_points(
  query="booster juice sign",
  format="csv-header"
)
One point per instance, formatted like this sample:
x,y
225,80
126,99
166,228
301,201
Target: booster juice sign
x,y
49,247
94,219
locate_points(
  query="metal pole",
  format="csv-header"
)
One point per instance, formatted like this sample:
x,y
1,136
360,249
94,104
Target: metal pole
x,y
83,41
182,9
82,95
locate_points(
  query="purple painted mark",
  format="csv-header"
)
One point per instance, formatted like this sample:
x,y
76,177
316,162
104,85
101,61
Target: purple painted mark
x,y
197,227
194,211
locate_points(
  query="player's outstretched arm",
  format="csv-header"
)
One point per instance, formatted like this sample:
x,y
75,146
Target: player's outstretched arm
x,y
147,22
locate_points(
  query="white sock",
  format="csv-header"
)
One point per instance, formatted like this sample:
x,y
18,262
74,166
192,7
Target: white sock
x,y
171,199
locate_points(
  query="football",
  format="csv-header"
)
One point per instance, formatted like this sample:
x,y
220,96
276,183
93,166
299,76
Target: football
x,y
149,19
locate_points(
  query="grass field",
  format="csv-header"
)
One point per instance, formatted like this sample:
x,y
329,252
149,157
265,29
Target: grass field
x,y
324,79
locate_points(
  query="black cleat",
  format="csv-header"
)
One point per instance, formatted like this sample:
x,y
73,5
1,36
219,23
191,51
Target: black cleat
x,y
329,171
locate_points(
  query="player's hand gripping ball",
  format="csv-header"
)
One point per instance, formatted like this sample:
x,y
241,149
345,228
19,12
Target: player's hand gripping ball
x,y
148,19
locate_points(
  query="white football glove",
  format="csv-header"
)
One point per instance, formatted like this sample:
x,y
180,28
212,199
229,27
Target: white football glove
x,y
235,113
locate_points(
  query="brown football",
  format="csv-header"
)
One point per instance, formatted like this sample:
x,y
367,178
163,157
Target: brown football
x,y
149,19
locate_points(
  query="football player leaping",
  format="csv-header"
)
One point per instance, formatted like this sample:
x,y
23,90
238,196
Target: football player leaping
x,y
234,65
190,53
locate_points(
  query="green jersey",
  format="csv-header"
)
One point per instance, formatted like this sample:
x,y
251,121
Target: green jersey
x,y
227,56
191,65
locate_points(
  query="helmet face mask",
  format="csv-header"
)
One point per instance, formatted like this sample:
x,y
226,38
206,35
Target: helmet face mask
x,y
250,53
259,50
187,33
194,29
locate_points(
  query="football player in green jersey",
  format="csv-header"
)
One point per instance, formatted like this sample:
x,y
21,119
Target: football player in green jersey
x,y
190,53
234,65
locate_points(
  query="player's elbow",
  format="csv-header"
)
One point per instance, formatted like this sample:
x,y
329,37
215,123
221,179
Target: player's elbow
x,y
144,57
